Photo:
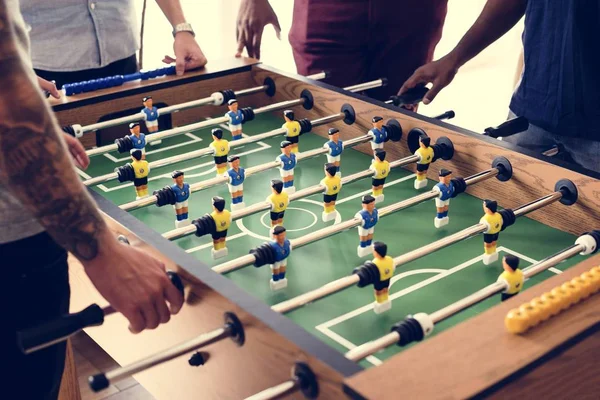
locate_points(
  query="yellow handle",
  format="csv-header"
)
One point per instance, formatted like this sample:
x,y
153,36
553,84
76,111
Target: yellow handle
x,y
539,309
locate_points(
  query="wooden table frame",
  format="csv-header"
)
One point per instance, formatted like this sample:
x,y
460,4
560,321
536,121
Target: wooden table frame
x,y
275,342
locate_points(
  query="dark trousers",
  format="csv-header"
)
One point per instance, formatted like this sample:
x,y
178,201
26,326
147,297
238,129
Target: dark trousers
x,y
125,66
364,40
35,288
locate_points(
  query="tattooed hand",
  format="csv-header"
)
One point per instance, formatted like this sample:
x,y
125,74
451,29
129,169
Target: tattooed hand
x,y
35,167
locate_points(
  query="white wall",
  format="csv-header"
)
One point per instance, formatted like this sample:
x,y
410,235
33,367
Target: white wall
x,y
479,94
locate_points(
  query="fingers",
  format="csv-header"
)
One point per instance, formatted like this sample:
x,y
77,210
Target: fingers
x,y
275,23
48,87
78,152
150,314
249,42
164,314
137,323
241,43
179,65
174,297
415,79
168,59
437,86
256,43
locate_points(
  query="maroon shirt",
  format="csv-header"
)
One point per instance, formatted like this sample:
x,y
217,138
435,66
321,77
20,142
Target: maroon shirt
x,y
363,40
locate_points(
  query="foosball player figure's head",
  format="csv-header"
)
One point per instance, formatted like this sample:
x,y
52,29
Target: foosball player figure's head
x,y
217,134
334,134
490,206
232,105
134,128
234,162
286,147
288,115
279,234
368,203
330,170
379,250
136,154
377,122
178,178
218,204
510,263
424,142
276,186
445,176
380,155
147,101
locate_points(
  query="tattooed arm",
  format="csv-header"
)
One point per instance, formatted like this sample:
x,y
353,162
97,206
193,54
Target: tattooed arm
x,y
35,167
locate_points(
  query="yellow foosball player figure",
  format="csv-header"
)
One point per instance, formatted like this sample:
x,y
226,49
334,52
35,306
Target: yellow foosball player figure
x,y
141,170
220,148
425,154
493,220
512,276
292,128
385,266
222,219
381,169
332,184
279,201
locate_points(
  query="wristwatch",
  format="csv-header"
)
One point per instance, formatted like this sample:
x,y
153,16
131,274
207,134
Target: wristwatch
x,y
183,27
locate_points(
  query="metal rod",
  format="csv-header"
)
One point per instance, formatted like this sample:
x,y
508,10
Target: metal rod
x,y
497,287
440,244
198,125
320,293
318,76
169,354
277,392
234,264
537,204
249,259
343,283
205,152
363,351
182,106
365,86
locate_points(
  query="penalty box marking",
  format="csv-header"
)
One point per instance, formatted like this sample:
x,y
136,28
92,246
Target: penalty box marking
x,y
325,327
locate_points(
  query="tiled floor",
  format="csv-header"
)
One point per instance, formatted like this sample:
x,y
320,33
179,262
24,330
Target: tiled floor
x,y
90,359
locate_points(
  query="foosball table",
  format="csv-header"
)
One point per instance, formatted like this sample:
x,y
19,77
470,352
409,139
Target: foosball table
x,y
340,311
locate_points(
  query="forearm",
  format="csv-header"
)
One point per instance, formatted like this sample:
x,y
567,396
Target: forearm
x,y
497,18
172,10
34,164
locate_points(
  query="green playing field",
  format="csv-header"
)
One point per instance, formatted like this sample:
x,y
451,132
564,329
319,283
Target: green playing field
x,y
346,319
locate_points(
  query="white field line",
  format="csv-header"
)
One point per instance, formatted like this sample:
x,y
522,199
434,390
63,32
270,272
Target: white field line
x,y
324,328
388,184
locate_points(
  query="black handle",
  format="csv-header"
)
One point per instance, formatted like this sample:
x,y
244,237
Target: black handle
x,y
447,115
59,329
508,128
175,280
411,96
